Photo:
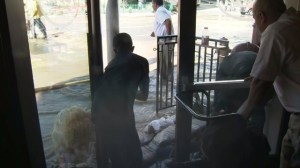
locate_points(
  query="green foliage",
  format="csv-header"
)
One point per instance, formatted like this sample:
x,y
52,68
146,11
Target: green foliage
x,y
169,6
132,1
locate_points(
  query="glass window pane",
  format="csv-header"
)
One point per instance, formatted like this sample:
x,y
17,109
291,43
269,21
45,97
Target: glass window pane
x,y
57,37
59,57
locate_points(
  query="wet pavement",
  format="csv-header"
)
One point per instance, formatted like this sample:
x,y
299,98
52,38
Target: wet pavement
x,y
64,54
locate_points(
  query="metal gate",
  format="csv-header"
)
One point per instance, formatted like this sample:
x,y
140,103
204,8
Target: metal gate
x,y
165,72
208,57
207,60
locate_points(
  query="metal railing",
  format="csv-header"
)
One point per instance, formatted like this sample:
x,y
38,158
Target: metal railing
x,y
208,57
201,111
165,72
204,109
207,60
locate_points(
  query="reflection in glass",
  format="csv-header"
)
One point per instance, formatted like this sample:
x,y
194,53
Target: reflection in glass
x,y
61,78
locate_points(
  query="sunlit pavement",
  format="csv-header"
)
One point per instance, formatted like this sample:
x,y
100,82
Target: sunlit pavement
x,y
64,54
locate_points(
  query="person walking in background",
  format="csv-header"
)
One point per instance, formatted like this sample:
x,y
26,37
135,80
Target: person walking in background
x,y
37,14
277,64
163,21
125,79
163,27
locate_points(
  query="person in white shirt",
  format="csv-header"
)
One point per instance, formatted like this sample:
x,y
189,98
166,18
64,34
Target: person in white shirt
x,y
277,64
163,27
163,21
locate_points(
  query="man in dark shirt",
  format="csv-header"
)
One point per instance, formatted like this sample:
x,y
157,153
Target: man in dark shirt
x,y
126,78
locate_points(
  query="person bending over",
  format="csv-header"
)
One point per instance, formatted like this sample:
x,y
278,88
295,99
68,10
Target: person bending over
x,y
125,79
277,64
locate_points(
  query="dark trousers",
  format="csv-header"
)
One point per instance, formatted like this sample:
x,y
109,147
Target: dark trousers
x,y
41,26
167,61
118,143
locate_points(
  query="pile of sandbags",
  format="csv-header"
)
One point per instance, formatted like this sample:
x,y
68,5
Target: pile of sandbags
x,y
73,138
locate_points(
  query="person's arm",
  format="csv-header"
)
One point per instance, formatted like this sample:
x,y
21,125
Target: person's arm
x,y
168,24
257,94
143,89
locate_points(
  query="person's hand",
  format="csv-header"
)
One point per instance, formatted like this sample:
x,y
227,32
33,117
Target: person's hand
x,y
242,110
152,34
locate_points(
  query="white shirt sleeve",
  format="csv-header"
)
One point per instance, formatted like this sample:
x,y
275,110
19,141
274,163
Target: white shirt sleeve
x,y
159,26
161,15
268,62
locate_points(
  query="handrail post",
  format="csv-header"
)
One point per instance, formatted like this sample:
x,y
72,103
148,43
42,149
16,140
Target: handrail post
x,y
185,76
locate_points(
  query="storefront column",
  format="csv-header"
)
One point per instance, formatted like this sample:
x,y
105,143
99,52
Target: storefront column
x,y
112,26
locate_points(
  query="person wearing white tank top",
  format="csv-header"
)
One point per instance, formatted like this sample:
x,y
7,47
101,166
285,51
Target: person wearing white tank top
x,y
163,27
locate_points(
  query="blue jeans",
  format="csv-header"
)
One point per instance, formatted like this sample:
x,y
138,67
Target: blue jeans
x,y
41,26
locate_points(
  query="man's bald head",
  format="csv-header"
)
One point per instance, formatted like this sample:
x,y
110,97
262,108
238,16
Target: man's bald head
x,y
266,12
273,8
122,42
